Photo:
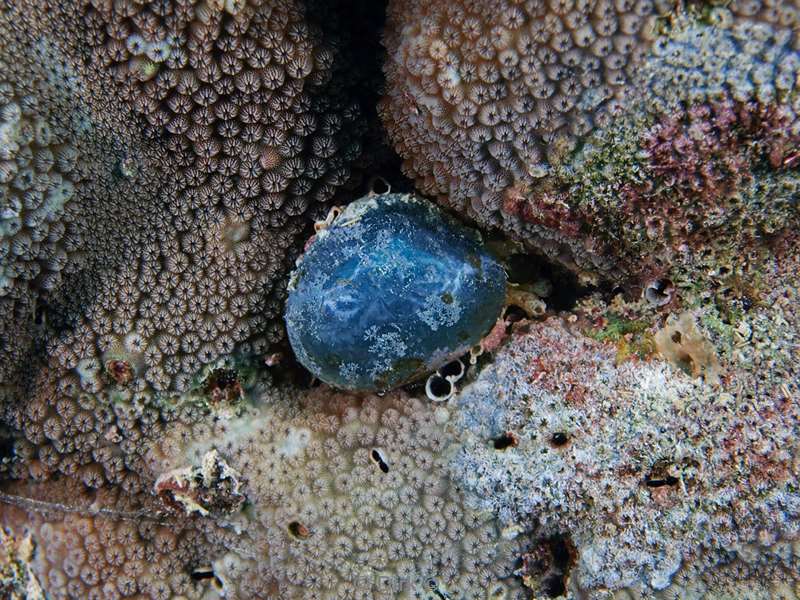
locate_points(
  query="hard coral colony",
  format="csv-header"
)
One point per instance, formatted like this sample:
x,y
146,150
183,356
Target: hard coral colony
x,y
623,331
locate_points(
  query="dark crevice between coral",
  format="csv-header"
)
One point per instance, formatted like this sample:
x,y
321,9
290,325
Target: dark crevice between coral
x,y
205,574
532,269
513,314
356,28
546,568
562,554
289,373
359,25
554,586
6,447
560,546
7,452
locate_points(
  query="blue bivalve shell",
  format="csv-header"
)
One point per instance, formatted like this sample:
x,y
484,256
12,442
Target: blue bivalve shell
x,y
391,290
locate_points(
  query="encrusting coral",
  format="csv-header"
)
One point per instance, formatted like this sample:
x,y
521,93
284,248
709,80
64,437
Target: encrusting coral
x,y
651,465
348,497
600,133
262,135
248,95
66,188
110,548
482,96
201,276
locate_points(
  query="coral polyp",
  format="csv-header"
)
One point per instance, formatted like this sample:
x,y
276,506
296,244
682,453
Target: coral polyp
x,y
391,290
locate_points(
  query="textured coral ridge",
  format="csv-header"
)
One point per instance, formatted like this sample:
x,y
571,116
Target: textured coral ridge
x,y
71,185
601,132
138,258
393,289
105,545
345,498
657,476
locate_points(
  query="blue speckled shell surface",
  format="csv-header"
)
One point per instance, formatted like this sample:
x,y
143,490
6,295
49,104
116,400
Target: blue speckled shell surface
x,y
390,291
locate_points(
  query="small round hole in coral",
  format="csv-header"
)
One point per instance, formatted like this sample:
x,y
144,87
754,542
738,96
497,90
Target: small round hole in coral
x,y
668,480
508,440
559,438
377,458
299,530
659,292
438,389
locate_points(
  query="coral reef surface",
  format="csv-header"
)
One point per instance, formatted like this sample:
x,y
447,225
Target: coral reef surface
x,y
625,423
